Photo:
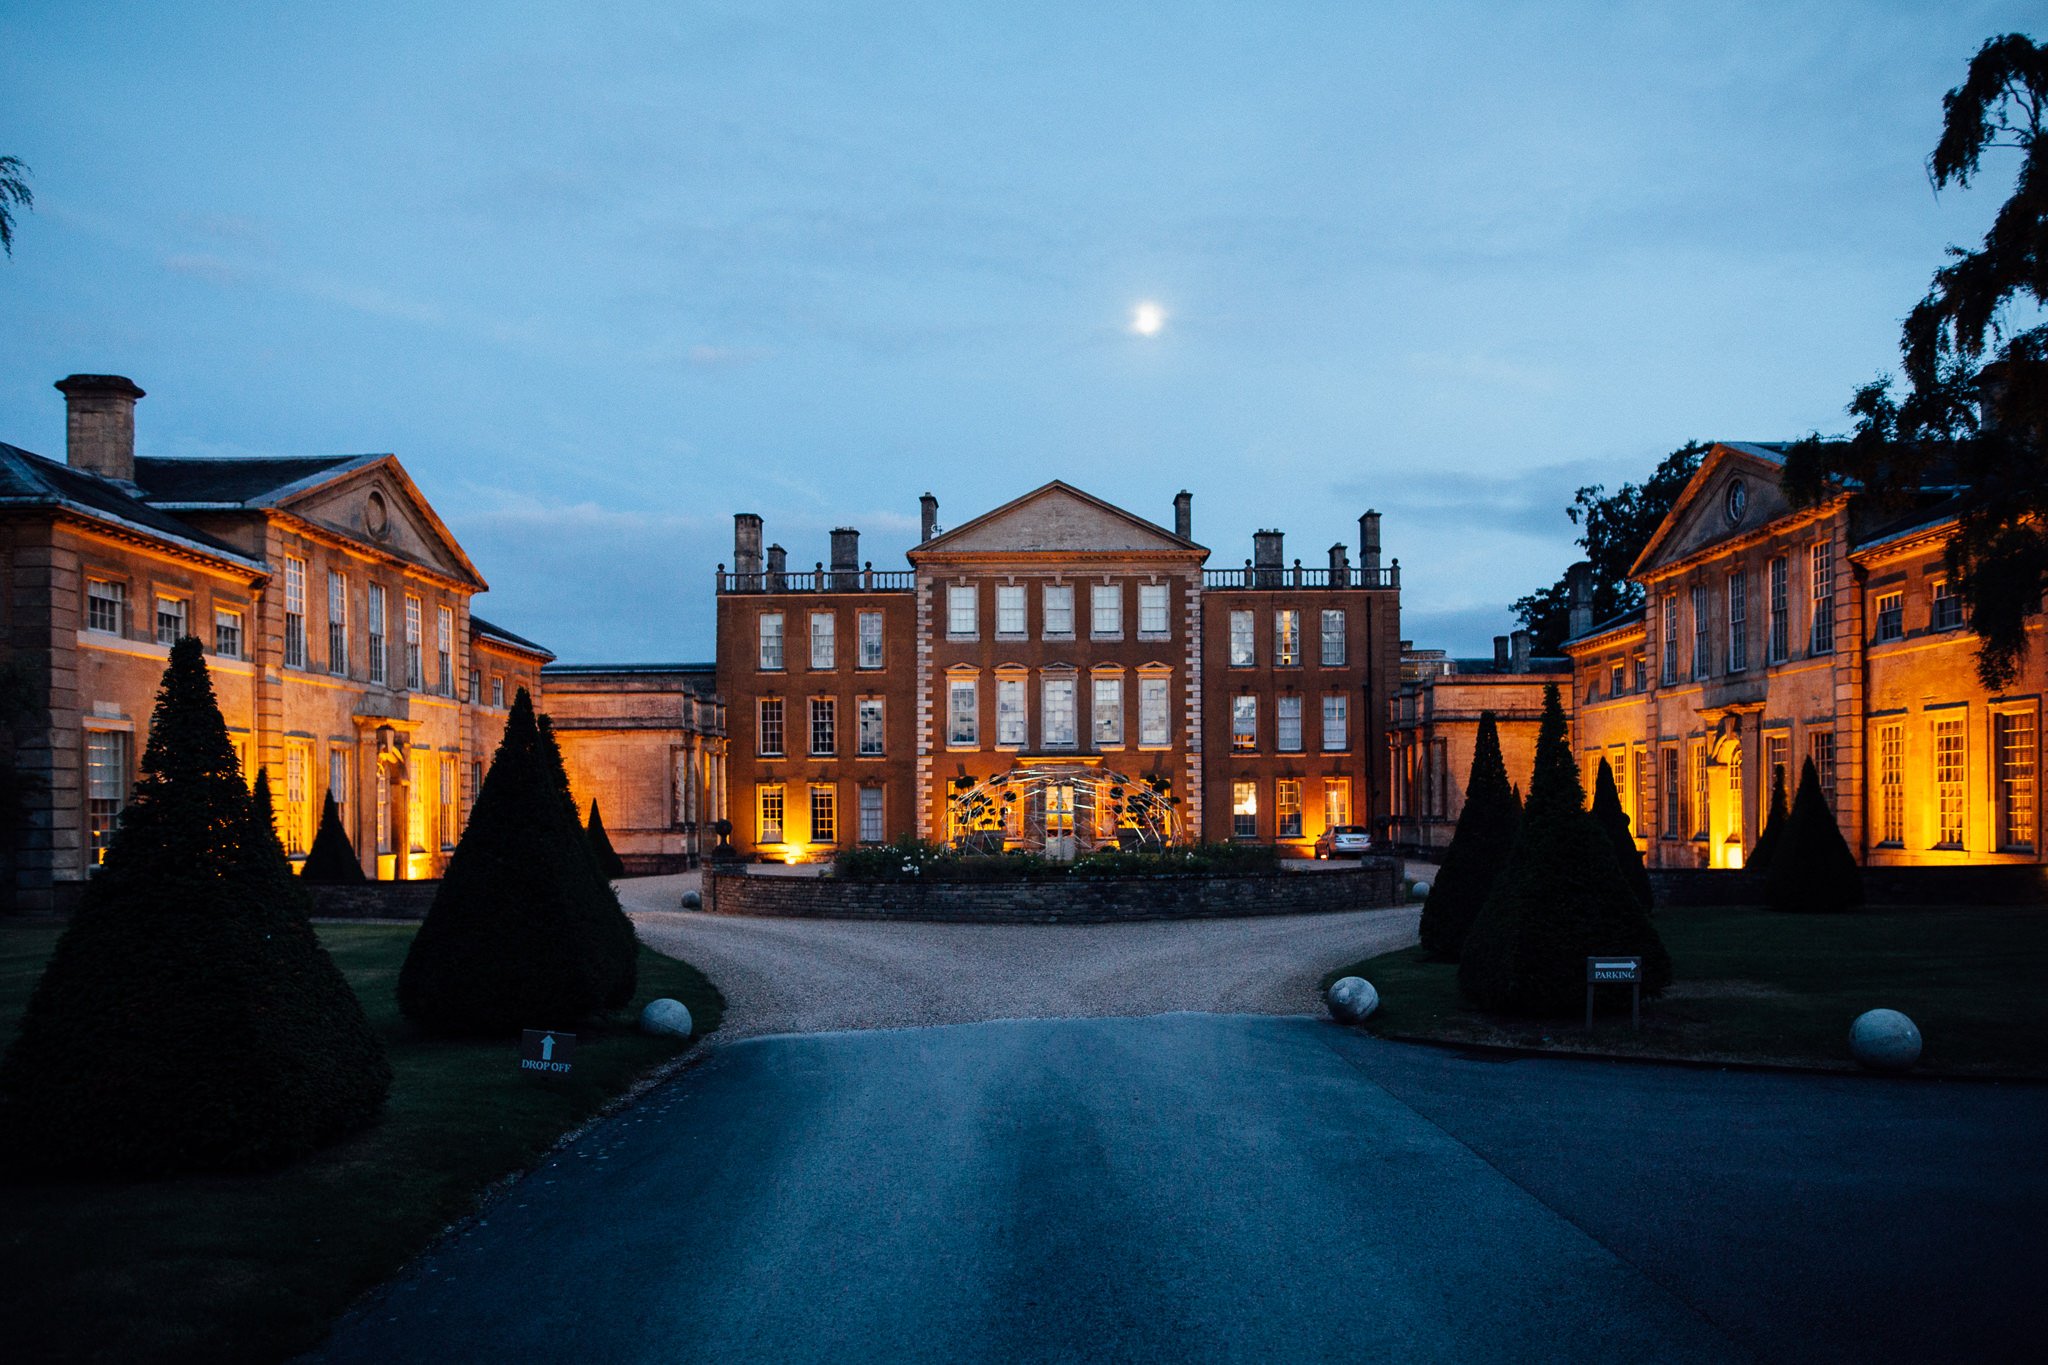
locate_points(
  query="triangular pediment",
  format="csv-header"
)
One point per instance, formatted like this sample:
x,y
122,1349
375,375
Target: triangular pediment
x,y
380,506
1736,489
1058,519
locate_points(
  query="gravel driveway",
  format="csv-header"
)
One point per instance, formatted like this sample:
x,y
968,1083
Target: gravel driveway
x,y
814,976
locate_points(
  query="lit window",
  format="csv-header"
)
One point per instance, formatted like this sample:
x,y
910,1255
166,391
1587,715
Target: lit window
x,y
1336,722
1106,610
1244,723
337,623
963,712
1152,618
1287,724
376,631
1699,790
170,620
1336,802
1638,788
1287,808
1058,602
1950,761
294,612
106,787
1010,610
768,733
2015,742
382,819
824,725
1241,639
768,630
1057,699
447,817
962,612
1333,638
1822,638
871,815
1947,608
297,822
824,815
871,639
1155,716
1891,785
1109,713
1244,810
416,804
869,717
103,604
1010,721
824,639
1891,616
227,633
1738,621
1286,638
768,799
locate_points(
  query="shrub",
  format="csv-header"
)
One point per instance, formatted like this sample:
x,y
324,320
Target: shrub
x,y
922,860
1478,848
268,860
332,860
1811,868
524,932
1559,899
189,1019
1774,828
608,861
1614,822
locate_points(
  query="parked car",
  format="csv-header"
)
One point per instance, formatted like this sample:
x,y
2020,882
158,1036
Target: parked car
x,y
1344,841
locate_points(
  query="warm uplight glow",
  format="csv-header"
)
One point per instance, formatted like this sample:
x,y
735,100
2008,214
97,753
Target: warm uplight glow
x,y
1147,318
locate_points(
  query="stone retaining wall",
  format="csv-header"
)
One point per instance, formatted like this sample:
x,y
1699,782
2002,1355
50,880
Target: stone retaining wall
x,y
1986,884
1068,900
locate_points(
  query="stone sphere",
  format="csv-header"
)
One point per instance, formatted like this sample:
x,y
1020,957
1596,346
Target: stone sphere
x,y
1884,1040
1421,890
1352,999
693,900
666,1018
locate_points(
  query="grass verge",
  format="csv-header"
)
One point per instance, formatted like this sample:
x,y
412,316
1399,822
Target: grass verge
x,y
255,1267
1759,987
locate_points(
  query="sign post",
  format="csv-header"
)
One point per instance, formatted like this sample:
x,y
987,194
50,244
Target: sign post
x,y
1615,971
546,1051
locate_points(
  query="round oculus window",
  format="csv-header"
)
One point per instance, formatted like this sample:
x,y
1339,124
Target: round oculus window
x,y
1738,501
376,519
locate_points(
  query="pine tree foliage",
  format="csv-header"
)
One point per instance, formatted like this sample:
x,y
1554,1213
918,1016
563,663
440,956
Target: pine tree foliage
x,y
1761,853
608,861
332,859
189,1019
1478,848
525,931
1560,899
1614,822
267,859
1811,869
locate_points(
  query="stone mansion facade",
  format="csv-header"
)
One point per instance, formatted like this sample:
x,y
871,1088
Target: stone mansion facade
x,y
1057,674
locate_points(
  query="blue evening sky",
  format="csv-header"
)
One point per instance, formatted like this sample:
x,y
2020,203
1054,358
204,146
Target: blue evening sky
x,y
603,275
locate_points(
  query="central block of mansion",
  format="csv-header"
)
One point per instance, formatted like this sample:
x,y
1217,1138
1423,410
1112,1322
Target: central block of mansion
x,y
1057,674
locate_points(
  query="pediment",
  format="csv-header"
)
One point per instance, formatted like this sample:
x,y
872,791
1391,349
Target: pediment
x,y
1735,490
380,506
1058,519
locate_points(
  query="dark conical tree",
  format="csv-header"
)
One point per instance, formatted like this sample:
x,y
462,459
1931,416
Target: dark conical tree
x,y
189,1019
1811,868
267,858
332,859
608,861
1560,899
1774,828
1478,848
525,932
1614,822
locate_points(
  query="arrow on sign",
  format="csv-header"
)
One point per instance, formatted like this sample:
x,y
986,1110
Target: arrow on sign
x,y
547,1048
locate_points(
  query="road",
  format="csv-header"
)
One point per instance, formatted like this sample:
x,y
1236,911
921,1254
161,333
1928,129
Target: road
x,y
1236,1188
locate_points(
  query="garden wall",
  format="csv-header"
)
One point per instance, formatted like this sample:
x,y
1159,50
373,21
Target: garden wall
x,y
1989,884
1065,900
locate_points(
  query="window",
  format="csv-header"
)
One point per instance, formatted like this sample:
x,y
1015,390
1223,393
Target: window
x,y
1735,801
1617,679
871,815
1891,616
824,815
1287,724
1738,621
2015,750
376,628
447,790
227,633
963,712
824,639
1058,602
1777,767
871,639
1010,721
768,800
337,623
1287,638
1671,812
1152,618
1702,658
337,781
1949,763
1891,785
103,603
1244,810
294,612
1947,608
1822,638
868,713
1241,639
106,787
1333,638
416,804
298,778
824,725
1336,802
1820,747
476,780
382,818
170,620
476,686
1639,788
415,678
497,691
1287,808
444,650
1059,720
1109,713
1010,620
962,620
1106,610
1244,723
768,730
1699,790
768,631
1336,723
1155,722
1777,646
1670,638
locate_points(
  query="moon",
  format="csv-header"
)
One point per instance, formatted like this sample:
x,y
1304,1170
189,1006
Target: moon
x,y
1147,318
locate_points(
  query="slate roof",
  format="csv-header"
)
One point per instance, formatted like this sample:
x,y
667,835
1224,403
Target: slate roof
x,y
29,480
243,482
483,627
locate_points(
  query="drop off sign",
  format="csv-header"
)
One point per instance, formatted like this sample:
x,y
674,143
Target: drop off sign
x,y
546,1052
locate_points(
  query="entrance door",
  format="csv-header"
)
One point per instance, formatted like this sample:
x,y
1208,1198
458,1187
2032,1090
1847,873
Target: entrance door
x,y
1059,822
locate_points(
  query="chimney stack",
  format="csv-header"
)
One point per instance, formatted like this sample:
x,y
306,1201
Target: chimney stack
x,y
746,551
1578,584
1500,652
928,510
1267,552
99,424
1369,545
778,569
845,559
1340,566
1518,645
1184,514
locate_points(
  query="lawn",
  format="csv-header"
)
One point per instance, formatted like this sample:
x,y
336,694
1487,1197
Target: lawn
x,y
254,1268
1754,986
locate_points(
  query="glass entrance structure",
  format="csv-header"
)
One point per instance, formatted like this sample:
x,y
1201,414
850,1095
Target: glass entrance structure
x,y
1062,810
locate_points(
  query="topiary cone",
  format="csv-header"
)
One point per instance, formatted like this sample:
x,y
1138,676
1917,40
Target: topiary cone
x,y
1811,868
1774,827
1478,848
1614,823
608,861
332,860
